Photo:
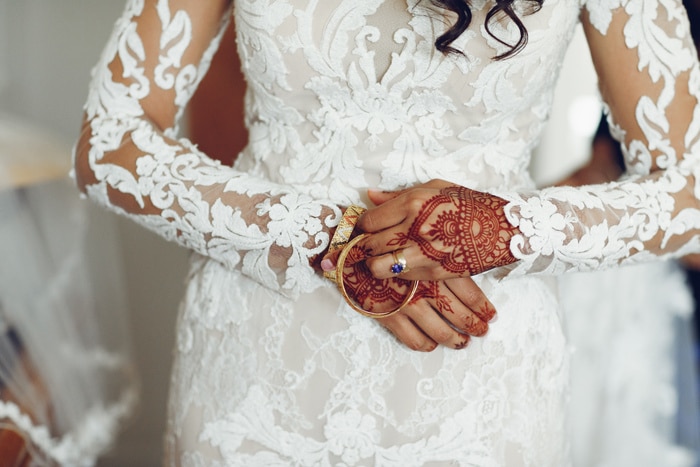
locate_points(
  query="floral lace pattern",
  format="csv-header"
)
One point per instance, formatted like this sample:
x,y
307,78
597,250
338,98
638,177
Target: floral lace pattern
x,y
198,202
655,211
348,95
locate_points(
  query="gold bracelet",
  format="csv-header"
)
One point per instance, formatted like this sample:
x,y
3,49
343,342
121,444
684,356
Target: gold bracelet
x,y
343,233
341,285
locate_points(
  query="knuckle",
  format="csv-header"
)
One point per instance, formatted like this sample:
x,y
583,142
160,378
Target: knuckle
x,y
374,266
366,222
473,297
367,245
414,203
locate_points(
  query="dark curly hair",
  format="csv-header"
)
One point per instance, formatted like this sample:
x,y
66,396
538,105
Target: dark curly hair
x,y
464,17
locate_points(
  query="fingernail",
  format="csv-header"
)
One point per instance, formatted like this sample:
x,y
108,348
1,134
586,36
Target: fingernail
x,y
327,265
494,318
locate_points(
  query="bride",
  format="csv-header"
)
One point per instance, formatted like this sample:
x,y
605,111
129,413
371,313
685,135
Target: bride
x,y
443,101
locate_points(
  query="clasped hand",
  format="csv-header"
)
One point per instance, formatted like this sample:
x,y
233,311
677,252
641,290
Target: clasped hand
x,y
447,233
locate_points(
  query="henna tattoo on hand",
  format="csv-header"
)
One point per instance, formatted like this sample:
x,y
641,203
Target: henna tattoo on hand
x,y
372,294
464,230
430,290
486,312
462,344
473,324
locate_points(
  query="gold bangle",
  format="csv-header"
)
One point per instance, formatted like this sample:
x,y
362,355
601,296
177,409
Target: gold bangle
x,y
341,285
343,233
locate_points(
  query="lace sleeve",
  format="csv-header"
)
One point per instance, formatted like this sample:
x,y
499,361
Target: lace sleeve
x,y
129,160
649,78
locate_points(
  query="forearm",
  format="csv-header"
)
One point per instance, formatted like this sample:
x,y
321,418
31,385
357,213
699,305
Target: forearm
x,y
129,160
600,226
649,83
167,185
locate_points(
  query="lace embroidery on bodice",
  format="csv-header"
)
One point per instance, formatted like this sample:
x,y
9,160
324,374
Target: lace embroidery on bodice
x,y
350,100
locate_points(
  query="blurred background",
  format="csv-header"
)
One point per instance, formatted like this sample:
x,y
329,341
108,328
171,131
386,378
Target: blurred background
x,y
47,48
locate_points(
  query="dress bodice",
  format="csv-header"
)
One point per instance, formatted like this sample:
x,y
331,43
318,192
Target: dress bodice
x,y
345,95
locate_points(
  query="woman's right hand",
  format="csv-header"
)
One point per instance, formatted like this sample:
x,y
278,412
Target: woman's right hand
x,y
443,312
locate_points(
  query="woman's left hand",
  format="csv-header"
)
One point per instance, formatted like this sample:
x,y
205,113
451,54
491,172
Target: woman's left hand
x,y
443,231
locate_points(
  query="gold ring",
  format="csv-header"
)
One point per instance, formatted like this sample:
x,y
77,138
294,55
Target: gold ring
x,y
400,265
341,285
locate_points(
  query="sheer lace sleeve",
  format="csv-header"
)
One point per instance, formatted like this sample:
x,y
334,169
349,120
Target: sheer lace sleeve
x,y
129,159
649,78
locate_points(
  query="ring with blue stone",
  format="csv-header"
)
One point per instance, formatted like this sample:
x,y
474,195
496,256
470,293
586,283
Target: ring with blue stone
x,y
400,265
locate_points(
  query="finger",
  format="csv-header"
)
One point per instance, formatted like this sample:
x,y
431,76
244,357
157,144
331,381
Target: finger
x,y
393,206
390,213
380,197
408,333
456,312
436,183
435,326
387,240
330,260
383,263
471,295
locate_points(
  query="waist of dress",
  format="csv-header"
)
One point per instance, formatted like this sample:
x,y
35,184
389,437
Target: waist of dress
x,y
213,282
323,179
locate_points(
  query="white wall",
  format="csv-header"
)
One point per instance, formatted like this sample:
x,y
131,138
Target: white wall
x,y
3,46
576,111
47,48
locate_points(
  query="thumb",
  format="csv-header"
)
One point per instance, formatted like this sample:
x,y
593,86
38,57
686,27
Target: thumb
x,y
330,260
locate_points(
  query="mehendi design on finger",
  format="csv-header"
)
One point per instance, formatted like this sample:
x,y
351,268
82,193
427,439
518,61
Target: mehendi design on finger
x,y
463,230
462,344
400,239
474,325
366,289
486,312
430,290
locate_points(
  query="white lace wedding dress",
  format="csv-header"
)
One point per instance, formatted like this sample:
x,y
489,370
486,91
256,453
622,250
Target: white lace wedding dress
x,y
272,367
